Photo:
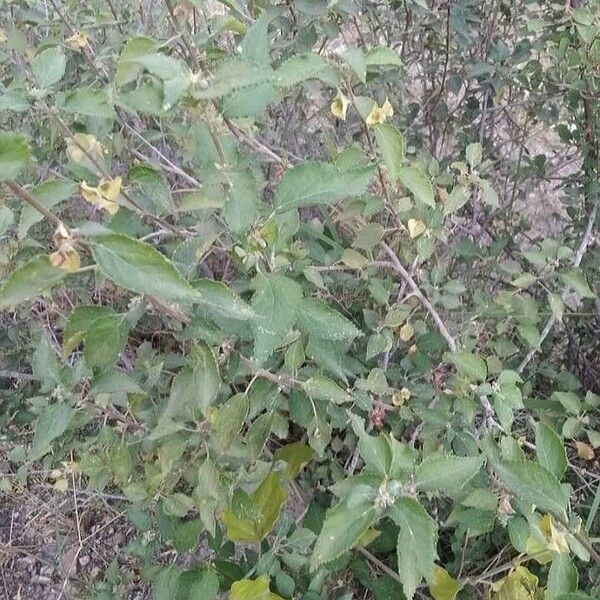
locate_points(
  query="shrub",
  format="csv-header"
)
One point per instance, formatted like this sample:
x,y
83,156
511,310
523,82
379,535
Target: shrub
x,y
286,277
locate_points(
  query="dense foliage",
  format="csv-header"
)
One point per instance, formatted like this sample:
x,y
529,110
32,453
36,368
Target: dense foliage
x,y
310,285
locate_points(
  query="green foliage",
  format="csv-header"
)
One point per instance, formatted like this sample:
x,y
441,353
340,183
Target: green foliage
x,y
276,278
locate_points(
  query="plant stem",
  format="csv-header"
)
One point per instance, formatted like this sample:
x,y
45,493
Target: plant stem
x,y
26,197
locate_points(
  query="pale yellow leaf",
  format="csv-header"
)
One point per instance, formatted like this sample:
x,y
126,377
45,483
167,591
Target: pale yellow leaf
x,y
416,227
339,106
380,114
103,196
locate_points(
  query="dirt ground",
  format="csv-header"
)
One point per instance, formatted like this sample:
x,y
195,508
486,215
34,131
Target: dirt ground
x,y
55,545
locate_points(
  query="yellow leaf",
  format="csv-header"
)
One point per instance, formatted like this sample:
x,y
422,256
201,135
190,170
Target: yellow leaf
x,y
104,195
400,397
78,40
67,259
380,114
519,584
61,485
552,541
252,589
239,530
442,585
85,150
339,106
406,332
416,228
584,451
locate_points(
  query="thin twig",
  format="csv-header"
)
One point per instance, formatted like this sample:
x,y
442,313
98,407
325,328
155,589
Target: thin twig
x,y
585,242
399,267
26,197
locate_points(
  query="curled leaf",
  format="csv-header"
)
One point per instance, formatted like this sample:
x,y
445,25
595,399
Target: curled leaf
x,y
66,259
339,106
584,450
104,195
85,150
78,40
380,114
65,256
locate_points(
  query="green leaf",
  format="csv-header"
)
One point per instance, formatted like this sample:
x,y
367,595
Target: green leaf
x,y
416,543
473,154
488,194
557,306
341,531
229,421
533,483
120,462
199,583
234,75
275,304
269,498
242,207
374,450
150,189
90,102
219,300
137,266
255,45
369,236
252,589
266,504
391,147
52,422
550,451
569,400
166,583
469,364
382,56
79,322
575,280
14,155
195,388
296,455
105,340
417,182
127,68
49,194
317,318
49,66
320,183
458,197
562,577
302,67
13,99
29,280
442,585
446,473
323,388
355,58
206,372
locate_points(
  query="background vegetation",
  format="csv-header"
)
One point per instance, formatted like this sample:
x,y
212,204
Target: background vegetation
x,y
299,299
